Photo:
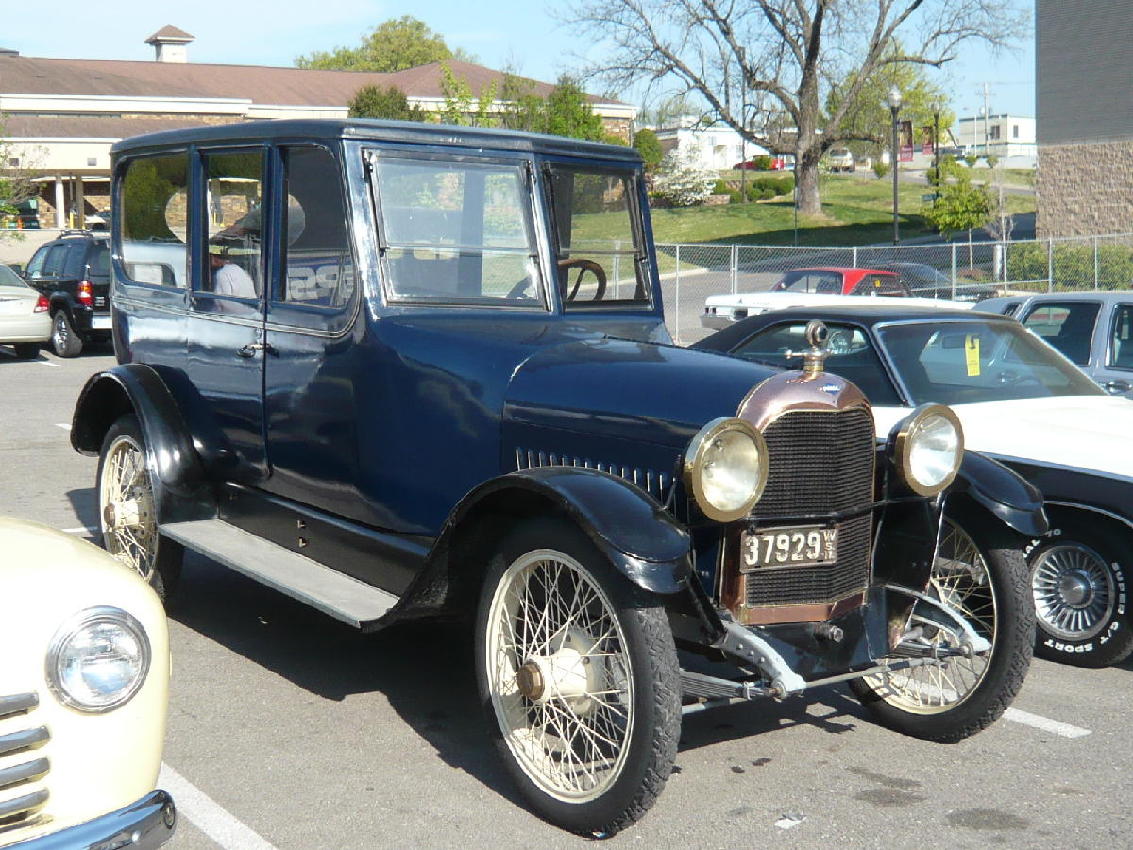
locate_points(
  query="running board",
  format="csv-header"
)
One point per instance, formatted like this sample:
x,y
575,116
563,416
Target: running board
x,y
341,596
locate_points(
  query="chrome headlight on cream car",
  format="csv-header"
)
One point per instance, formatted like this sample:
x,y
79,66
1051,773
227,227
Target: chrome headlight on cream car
x,y
98,660
927,447
726,468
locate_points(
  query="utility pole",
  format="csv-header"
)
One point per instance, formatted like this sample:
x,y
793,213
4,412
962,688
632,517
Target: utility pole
x,y
987,118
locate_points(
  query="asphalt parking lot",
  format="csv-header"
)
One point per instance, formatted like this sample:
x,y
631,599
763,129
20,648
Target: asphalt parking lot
x,y
290,730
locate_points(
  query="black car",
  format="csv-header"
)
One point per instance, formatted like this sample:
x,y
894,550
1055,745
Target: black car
x,y
73,273
413,371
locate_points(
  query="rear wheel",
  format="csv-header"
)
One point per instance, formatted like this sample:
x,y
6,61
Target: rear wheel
x,y
64,340
982,575
1078,578
578,673
26,350
127,509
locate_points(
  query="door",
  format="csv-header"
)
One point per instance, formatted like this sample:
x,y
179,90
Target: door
x,y
1116,376
226,346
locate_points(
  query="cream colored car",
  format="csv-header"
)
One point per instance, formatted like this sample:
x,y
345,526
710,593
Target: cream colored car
x,y
84,686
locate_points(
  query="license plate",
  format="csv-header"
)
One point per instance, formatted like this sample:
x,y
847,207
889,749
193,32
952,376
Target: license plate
x,y
795,546
100,323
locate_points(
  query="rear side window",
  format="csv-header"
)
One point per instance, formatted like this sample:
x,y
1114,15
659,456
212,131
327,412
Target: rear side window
x,y
98,261
154,219
53,262
1067,325
74,260
1121,338
826,283
880,284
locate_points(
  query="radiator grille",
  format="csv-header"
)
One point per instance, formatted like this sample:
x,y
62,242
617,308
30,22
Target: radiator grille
x,y
656,484
23,765
820,462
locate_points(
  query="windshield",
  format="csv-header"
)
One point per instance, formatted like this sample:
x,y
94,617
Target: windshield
x,y
601,261
971,361
10,278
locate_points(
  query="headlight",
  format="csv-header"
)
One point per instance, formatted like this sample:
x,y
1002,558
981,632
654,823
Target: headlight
x,y
98,660
927,447
726,468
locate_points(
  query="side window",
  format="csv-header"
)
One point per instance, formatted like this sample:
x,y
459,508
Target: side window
x,y
72,267
1067,325
317,259
457,232
876,284
35,264
1121,338
233,204
53,263
154,219
852,356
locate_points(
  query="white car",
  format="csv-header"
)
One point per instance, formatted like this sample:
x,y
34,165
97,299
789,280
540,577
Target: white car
x,y
25,315
1020,402
83,693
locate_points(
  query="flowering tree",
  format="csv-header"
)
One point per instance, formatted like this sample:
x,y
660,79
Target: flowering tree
x,y
681,181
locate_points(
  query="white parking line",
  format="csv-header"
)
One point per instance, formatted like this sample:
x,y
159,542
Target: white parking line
x,y
63,425
1055,727
207,815
82,529
47,363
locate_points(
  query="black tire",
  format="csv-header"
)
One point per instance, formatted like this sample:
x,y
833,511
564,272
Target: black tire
x,y
1079,579
26,350
637,674
999,607
132,536
64,340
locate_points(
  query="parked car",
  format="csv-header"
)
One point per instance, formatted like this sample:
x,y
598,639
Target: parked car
x,y
83,695
453,394
812,287
840,159
1020,402
1093,329
24,319
73,272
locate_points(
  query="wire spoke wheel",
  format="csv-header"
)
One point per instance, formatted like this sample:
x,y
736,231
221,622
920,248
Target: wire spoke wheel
x,y
961,580
126,506
1074,591
560,677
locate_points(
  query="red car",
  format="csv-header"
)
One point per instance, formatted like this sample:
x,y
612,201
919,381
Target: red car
x,y
833,280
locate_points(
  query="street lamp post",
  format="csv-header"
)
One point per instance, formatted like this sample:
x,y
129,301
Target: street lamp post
x,y
937,108
895,107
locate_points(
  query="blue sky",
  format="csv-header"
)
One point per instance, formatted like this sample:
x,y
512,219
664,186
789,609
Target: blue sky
x,y
521,33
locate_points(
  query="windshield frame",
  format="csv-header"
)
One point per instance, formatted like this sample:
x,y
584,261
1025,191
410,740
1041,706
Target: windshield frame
x,y
1085,383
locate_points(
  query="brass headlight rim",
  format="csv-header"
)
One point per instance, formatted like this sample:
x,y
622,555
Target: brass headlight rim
x,y
901,448
694,458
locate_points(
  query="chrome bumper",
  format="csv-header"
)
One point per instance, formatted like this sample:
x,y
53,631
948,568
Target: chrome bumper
x,y
146,824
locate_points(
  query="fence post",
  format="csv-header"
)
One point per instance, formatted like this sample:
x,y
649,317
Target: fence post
x,y
677,296
855,262
735,258
953,271
1050,264
1095,262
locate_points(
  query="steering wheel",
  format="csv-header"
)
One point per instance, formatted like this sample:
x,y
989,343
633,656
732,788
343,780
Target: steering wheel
x,y
583,266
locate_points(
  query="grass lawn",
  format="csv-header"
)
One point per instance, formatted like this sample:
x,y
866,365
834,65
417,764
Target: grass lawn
x,y
855,212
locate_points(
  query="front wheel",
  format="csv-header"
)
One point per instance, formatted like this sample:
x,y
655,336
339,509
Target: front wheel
x,y
983,576
578,673
127,509
1078,578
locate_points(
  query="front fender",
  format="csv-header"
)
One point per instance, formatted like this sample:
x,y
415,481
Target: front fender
x,y
137,388
1003,492
631,529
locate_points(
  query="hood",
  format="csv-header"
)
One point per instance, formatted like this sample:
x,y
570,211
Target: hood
x,y
1086,432
637,391
762,302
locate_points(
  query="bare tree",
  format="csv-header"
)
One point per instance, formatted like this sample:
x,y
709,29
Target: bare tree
x,y
764,67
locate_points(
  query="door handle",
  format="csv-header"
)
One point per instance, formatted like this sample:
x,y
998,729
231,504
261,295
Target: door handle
x,y
1117,386
251,348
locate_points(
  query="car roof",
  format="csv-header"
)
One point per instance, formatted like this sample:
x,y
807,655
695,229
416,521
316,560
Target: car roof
x,y
840,270
867,314
412,132
1108,295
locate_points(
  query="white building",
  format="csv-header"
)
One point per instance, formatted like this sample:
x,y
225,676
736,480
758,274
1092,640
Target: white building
x,y
1003,136
716,148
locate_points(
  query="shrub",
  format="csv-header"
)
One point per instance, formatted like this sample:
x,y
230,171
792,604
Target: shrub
x,y
1073,265
762,162
681,182
880,169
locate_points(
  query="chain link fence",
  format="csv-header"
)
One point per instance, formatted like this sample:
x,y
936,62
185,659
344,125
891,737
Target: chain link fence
x,y
962,271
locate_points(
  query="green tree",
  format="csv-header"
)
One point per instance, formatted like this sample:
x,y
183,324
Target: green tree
x,y
393,45
569,113
391,102
461,107
960,204
15,182
645,141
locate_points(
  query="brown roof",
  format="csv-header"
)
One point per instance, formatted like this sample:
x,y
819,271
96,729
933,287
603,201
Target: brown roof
x,y
260,84
91,126
169,33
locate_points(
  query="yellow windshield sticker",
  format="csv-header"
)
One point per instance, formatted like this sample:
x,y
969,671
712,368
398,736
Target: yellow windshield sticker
x,y
972,355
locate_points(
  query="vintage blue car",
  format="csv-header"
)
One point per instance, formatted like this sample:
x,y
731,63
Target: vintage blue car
x,y
404,371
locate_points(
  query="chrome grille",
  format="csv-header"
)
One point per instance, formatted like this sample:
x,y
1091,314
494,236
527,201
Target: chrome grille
x,y
22,763
656,484
820,462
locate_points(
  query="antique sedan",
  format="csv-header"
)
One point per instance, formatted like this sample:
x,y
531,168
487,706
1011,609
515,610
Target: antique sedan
x,y
448,390
1022,403
83,693
1093,329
